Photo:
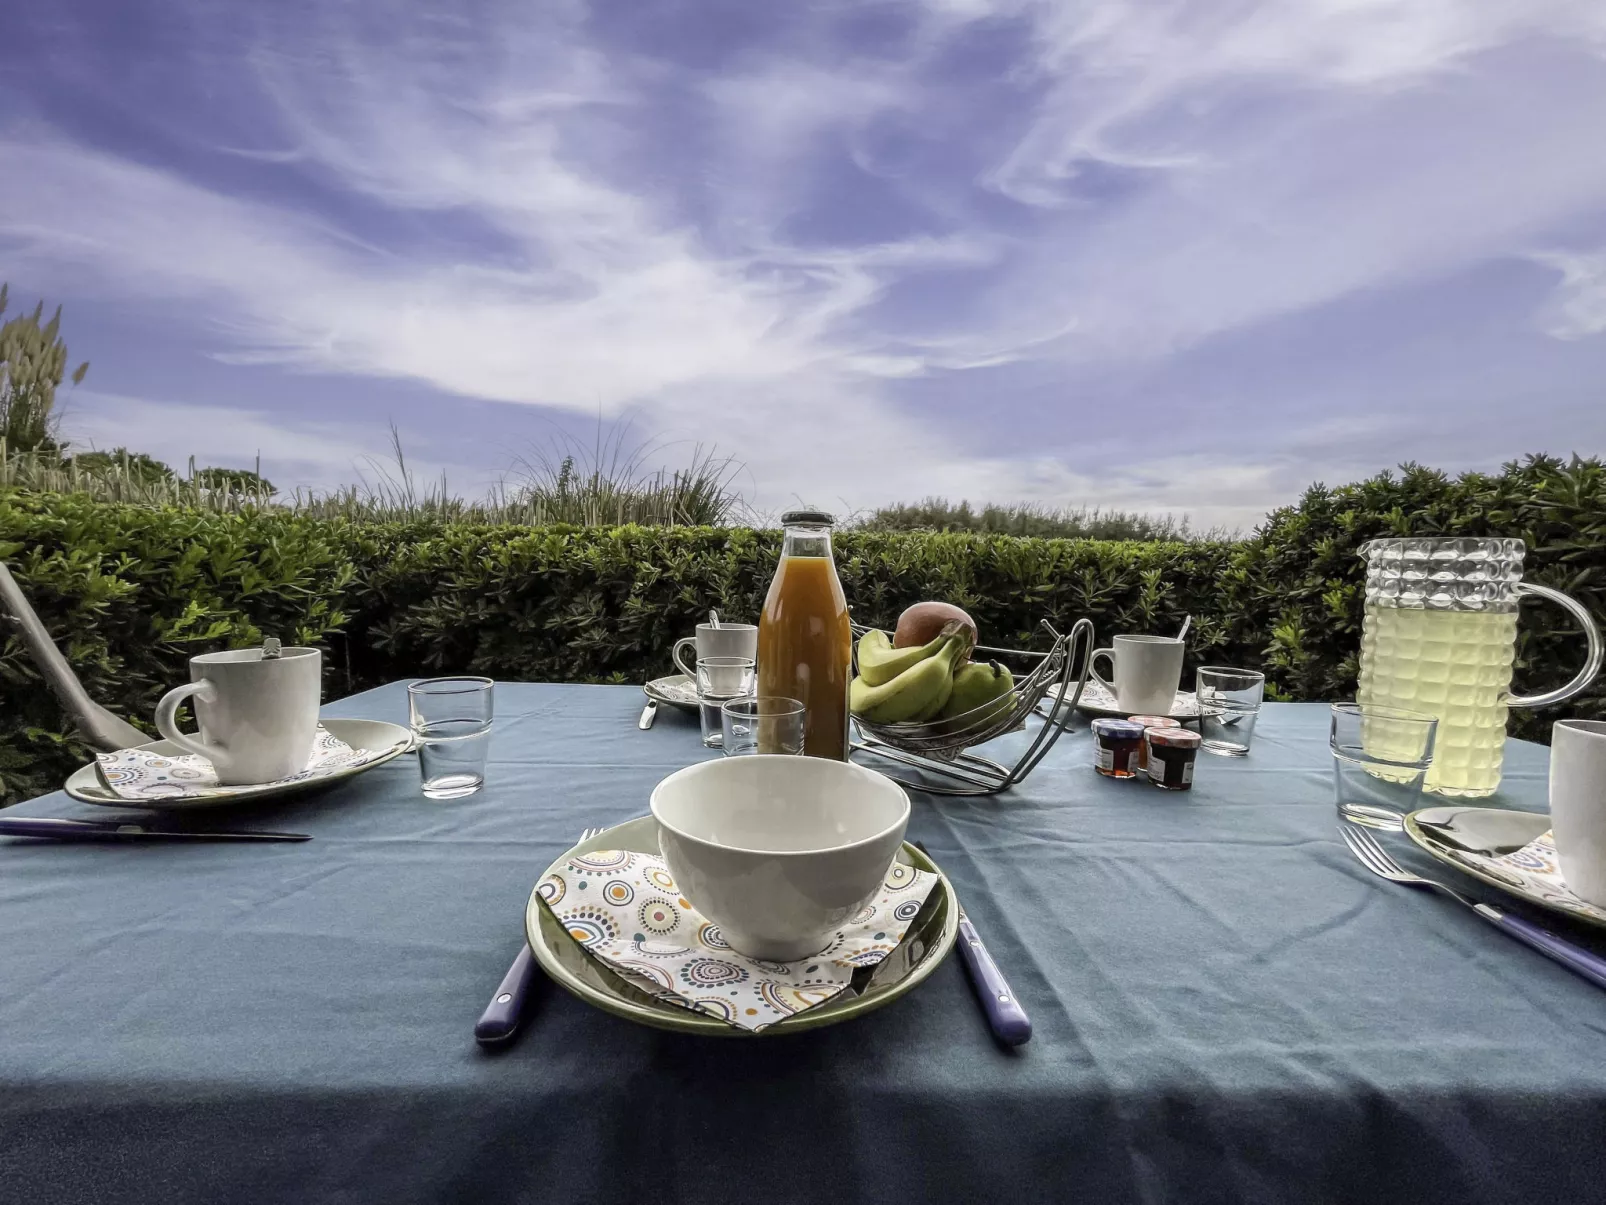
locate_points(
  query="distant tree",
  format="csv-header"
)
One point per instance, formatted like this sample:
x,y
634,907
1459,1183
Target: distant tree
x,y
33,361
234,481
136,465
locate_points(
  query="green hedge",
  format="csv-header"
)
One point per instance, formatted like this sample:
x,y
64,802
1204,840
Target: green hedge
x,y
1308,573
132,592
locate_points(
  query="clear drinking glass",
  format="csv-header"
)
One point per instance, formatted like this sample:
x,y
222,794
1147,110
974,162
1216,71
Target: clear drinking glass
x,y
762,725
1380,755
719,680
1229,704
451,720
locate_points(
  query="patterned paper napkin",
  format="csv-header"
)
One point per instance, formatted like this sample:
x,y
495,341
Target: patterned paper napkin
x,y
1536,867
141,774
625,909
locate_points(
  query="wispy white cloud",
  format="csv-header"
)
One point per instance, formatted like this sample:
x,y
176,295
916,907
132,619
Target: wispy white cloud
x,y
501,204
1281,156
1125,77
774,108
588,293
644,313
1578,308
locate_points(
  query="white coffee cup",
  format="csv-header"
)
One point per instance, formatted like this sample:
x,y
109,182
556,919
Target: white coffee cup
x,y
727,640
1578,805
1148,670
258,716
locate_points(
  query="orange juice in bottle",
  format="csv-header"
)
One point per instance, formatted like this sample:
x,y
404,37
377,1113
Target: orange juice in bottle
x,y
805,641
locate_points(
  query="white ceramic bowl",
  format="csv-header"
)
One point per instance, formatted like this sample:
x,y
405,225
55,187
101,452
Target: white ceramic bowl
x,y
779,851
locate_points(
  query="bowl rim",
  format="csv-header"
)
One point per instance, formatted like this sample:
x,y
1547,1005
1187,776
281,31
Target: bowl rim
x,y
897,826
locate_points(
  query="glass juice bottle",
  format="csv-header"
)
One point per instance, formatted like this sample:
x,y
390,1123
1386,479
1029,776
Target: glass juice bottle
x,y
805,641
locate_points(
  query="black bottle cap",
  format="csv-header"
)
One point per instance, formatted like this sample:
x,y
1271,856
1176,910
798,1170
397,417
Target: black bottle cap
x,y
807,518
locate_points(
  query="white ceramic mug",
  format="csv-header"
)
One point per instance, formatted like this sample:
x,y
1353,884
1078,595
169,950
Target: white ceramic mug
x,y
1148,670
727,640
1578,805
258,717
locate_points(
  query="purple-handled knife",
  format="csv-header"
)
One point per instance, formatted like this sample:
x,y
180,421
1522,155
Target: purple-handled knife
x,y
1575,958
500,1020
1005,1017
53,829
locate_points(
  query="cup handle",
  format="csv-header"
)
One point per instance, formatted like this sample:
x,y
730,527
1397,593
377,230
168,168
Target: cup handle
x,y
167,721
1591,661
689,670
1092,667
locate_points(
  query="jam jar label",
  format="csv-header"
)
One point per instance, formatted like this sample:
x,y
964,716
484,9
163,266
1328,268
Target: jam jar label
x,y
1105,759
1157,769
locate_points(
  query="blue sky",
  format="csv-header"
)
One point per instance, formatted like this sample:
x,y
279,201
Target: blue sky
x,y
1183,257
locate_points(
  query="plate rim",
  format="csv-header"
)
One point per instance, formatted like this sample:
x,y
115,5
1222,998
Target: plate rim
x,y
1093,709
1433,849
688,1021
96,795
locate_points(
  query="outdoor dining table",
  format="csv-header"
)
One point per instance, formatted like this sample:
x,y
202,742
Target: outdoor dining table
x,y
1227,1006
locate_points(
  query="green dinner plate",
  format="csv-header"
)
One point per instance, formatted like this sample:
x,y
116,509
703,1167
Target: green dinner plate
x,y
925,945
1474,839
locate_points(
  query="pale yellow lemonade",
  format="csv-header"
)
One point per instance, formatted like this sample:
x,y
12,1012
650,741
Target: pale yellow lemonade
x,y
1455,665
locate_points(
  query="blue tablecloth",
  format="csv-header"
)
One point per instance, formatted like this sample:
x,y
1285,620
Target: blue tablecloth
x,y
1227,1007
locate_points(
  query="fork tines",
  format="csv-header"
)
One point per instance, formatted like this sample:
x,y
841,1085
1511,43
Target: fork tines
x,y
1365,847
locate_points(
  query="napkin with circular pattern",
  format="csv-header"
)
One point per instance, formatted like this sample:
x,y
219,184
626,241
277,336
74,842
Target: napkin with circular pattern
x,y
625,909
1536,870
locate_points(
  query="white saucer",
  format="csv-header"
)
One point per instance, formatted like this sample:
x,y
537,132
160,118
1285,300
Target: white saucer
x,y
1096,700
677,690
389,741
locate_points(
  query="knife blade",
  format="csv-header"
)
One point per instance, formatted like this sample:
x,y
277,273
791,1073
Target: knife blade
x,y
53,829
1005,1017
649,713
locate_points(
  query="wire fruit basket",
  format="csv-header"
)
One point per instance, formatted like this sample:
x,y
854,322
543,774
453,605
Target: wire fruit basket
x,y
939,749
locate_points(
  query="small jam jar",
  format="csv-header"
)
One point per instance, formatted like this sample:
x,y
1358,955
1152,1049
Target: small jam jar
x,y
1116,746
1172,754
1151,721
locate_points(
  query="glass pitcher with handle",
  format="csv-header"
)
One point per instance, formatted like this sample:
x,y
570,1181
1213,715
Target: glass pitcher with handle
x,y
1440,637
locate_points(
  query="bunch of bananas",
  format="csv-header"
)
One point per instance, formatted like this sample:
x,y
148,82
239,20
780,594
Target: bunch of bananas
x,y
925,682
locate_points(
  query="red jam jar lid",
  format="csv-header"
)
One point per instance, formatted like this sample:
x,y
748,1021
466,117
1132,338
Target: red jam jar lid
x,y
1117,730
1156,721
1176,738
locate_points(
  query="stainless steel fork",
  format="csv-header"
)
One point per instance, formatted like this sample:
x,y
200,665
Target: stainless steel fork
x,y
500,1020
1575,958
